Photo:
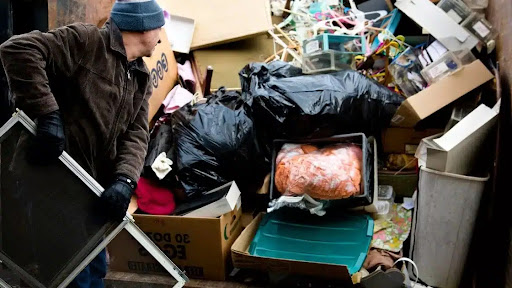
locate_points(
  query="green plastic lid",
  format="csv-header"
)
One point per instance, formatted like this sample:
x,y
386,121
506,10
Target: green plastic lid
x,y
296,235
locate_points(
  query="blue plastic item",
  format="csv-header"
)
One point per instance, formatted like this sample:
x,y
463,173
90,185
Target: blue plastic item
x,y
332,239
391,27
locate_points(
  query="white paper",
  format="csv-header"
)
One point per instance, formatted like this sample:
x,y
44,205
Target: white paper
x,y
454,16
433,52
312,46
408,203
481,29
437,70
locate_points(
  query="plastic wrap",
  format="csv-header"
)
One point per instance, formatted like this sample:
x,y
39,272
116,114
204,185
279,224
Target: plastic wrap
x,y
286,105
332,172
215,144
304,202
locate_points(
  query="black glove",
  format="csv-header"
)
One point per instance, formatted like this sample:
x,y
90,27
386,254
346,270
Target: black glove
x,y
49,141
117,197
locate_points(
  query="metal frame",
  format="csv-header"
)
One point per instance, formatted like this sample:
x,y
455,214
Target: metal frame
x,y
128,222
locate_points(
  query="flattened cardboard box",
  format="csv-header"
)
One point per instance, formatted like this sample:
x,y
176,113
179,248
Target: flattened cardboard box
x,y
222,21
436,96
242,259
199,246
163,73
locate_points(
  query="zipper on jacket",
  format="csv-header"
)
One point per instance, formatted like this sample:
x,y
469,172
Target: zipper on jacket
x,y
123,100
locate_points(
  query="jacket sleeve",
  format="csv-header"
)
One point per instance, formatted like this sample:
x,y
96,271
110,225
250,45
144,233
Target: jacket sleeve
x,y
27,59
133,143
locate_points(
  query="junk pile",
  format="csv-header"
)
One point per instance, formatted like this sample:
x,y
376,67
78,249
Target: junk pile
x,y
319,129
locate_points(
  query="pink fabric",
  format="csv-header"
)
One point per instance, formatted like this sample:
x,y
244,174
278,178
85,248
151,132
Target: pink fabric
x,y
154,199
177,98
185,71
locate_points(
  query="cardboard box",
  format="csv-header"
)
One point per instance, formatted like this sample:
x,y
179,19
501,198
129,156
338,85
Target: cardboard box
x,y
163,73
222,21
458,149
228,59
440,94
402,140
242,259
199,246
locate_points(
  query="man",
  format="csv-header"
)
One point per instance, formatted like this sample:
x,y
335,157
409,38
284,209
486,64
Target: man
x,y
88,90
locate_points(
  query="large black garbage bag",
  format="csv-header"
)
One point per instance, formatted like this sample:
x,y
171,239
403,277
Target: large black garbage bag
x,y
216,145
286,104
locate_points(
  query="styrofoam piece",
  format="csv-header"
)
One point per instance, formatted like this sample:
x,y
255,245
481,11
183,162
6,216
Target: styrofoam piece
x,y
180,31
447,207
438,23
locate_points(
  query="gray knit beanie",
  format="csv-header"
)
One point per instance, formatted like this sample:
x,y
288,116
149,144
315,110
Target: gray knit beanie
x,y
137,15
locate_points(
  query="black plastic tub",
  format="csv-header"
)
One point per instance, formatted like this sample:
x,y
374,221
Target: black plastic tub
x,y
367,179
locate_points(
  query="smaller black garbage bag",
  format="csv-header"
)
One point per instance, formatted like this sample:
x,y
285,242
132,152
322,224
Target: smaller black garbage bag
x,y
216,144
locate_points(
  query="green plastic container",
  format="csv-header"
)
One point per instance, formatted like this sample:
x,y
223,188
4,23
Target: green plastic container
x,y
296,235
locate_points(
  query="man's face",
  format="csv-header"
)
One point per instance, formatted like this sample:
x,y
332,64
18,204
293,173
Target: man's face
x,y
149,41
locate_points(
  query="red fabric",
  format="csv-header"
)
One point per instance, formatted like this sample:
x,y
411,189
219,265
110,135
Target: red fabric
x,y
154,199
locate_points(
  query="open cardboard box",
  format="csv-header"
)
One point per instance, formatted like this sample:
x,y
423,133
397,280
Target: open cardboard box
x,y
242,259
440,94
200,246
458,150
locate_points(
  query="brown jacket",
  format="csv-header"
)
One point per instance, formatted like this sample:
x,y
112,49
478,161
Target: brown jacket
x,y
83,72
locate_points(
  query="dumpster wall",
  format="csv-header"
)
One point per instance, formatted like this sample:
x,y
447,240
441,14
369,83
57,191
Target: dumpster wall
x,y
64,12
498,267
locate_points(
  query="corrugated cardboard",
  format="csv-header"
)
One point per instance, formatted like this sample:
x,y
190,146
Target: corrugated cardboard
x,y
163,73
228,59
440,94
242,259
221,21
396,140
457,150
199,246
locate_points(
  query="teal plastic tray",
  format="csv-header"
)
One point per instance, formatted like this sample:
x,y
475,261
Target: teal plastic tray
x,y
332,239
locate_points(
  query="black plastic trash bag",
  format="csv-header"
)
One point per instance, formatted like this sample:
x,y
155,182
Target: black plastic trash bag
x,y
216,145
161,141
287,105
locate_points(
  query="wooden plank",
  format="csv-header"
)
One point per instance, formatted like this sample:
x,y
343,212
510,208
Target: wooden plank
x,y
132,280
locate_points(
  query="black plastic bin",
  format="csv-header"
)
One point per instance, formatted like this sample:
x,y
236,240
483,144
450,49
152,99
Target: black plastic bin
x,y
367,182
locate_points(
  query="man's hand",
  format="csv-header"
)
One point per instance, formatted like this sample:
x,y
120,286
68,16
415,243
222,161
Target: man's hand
x,y
117,197
49,141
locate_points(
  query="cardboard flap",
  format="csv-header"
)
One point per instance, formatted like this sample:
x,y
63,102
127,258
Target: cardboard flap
x,y
163,73
440,94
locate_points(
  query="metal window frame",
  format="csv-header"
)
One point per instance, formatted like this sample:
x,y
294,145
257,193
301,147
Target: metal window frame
x,y
128,222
